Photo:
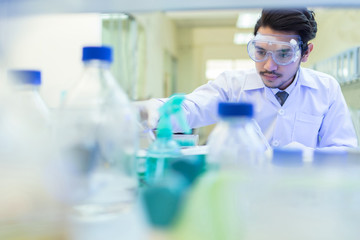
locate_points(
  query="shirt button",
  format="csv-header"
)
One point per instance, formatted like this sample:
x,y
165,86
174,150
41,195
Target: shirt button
x,y
275,143
281,112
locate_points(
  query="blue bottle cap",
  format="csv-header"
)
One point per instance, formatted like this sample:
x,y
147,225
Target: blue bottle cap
x,y
25,76
103,53
234,109
287,157
330,158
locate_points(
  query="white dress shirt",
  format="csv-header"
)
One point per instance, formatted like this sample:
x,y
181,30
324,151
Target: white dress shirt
x,y
315,113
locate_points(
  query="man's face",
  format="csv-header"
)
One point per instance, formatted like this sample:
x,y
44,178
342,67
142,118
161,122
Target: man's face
x,y
272,74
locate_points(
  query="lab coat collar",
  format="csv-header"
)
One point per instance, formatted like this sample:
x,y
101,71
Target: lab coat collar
x,y
305,79
253,81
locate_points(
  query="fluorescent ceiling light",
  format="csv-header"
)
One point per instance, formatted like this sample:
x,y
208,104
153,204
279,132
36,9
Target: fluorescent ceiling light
x,y
122,16
242,38
247,20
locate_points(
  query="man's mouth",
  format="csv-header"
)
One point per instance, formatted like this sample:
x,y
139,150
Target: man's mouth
x,y
270,75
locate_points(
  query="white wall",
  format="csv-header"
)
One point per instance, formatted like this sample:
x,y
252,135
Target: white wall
x,y
161,36
52,44
197,45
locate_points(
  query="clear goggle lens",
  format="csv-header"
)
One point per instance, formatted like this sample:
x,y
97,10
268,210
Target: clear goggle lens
x,y
283,53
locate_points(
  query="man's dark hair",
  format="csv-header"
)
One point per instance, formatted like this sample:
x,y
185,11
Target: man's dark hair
x,y
301,21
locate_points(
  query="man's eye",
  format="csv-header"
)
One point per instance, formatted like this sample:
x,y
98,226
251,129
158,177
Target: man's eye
x,y
284,54
261,52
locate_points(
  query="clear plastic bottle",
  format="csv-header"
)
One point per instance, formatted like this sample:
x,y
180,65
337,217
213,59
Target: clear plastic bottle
x,y
30,115
235,142
27,208
97,131
221,199
26,99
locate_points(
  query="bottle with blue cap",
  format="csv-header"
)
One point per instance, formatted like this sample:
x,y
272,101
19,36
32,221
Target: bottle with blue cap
x,y
27,205
25,91
25,103
26,117
235,142
221,198
98,139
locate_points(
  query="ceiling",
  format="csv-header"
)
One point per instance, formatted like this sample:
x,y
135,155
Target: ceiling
x,y
24,7
207,18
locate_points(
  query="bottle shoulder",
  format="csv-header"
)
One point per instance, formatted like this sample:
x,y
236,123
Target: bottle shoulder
x,y
234,133
96,87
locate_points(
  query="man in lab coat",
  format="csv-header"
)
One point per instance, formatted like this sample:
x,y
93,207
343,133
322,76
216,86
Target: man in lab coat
x,y
293,105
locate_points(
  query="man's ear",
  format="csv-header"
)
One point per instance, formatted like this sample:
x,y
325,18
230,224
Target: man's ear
x,y
304,58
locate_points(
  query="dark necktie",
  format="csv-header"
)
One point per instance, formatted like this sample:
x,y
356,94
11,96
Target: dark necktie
x,y
281,96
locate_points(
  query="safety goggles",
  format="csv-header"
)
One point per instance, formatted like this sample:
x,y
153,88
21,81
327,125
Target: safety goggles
x,y
284,49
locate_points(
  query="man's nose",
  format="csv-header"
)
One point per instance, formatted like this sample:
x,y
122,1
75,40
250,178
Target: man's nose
x,y
270,64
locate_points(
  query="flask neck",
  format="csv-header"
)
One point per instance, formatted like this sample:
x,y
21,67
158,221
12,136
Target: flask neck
x,y
95,63
26,87
236,119
96,87
97,76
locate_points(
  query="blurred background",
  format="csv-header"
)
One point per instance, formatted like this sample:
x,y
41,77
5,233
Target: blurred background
x,y
161,47
164,47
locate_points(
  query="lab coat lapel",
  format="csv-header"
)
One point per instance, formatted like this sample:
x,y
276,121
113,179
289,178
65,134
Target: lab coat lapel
x,y
271,97
294,95
303,80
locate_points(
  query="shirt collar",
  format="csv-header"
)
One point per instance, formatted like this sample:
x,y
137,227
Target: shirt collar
x,y
305,79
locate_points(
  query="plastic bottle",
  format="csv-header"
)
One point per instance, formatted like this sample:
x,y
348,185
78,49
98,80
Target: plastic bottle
x,y
27,208
29,113
97,130
165,148
25,97
236,147
235,142
220,199
304,195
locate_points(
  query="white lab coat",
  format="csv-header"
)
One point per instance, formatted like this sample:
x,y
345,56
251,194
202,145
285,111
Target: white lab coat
x,y
315,114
